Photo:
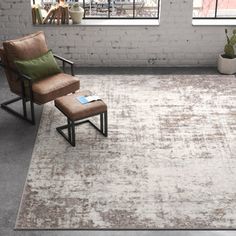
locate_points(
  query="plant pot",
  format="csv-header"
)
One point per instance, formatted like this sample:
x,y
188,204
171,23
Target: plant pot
x,y
226,65
77,16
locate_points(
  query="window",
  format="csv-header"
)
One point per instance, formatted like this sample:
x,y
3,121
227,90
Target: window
x,y
214,9
111,9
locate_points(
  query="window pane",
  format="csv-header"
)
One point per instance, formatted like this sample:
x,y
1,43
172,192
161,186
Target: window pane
x,y
122,8
43,2
96,8
146,9
204,8
226,8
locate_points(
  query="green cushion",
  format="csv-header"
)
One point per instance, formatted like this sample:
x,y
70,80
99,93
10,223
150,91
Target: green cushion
x,y
40,67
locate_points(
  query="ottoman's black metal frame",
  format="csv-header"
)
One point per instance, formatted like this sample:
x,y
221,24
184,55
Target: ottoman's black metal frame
x,y
71,127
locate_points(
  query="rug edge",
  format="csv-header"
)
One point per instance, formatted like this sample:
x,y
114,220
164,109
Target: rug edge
x,y
16,227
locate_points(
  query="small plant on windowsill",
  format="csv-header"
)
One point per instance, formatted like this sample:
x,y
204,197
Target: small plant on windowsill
x,y
227,61
76,13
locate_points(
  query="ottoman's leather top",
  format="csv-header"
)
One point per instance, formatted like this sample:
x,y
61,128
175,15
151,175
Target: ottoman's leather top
x,y
74,110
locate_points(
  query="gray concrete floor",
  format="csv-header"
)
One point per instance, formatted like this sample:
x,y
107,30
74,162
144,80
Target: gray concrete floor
x,y
16,145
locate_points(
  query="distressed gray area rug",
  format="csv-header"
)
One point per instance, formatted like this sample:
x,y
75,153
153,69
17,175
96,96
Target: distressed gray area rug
x,y
169,160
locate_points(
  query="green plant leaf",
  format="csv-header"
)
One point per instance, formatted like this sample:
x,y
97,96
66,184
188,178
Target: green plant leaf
x,y
233,39
227,37
229,50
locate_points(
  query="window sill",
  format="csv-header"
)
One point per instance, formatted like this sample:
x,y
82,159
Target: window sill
x,y
213,22
120,22
110,22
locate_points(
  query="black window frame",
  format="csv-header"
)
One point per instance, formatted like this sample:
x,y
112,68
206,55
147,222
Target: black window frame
x,y
215,16
121,18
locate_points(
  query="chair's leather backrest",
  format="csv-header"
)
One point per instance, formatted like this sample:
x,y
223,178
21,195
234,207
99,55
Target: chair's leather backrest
x,y
25,48
14,83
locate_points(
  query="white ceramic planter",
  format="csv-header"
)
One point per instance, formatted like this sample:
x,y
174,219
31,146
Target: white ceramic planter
x,y
226,66
77,16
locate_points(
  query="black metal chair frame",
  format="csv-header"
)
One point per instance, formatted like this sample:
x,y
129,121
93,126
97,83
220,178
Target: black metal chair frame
x,y
71,127
28,98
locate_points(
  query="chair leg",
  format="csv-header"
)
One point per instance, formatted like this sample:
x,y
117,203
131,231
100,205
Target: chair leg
x,y
24,107
5,106
23,99
32,112
31,105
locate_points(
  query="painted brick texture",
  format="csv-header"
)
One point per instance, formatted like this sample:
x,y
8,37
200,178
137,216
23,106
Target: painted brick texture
x,y
175,42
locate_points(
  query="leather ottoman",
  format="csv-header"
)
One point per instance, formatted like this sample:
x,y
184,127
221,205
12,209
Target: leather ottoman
x,y
75,111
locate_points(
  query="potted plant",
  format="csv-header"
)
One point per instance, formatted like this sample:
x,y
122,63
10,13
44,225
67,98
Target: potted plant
x,y
76,13
227,61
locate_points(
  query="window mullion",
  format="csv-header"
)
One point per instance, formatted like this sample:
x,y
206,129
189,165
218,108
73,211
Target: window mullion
x,y
109,4
84,7
133,8
216,8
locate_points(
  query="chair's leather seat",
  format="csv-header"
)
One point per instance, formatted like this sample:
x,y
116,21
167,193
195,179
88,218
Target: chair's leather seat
x,y
53,87
74,110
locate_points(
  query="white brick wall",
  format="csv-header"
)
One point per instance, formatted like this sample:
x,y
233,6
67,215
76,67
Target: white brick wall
x,y
175,42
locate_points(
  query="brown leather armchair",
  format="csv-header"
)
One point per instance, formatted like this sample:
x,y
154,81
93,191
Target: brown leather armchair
x,y
39,92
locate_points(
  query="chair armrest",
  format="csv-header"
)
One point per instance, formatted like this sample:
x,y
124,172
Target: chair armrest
x,y
65,61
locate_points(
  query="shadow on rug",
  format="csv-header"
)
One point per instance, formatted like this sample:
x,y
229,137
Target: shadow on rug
x,y
169,160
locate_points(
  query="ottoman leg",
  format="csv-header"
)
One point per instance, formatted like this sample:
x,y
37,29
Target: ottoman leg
x,y
105,125
101,122
71,131
71,128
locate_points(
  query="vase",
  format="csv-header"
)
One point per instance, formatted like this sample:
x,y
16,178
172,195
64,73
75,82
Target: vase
x,y
226,65
77,16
